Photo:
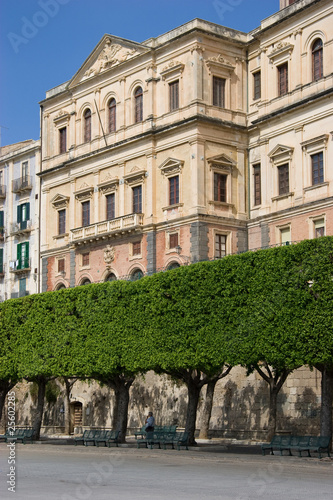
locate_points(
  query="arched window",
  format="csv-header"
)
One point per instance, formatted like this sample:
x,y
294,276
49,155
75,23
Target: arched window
x,y
173,265
138,103
111,277
136,275
317,59
112,115
87,125
60,287
86,282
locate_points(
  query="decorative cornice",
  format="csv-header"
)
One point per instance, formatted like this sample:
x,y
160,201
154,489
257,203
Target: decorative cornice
x,y
219,62
171,166
172,69
135,177
60,201
279,49
84,192
108,185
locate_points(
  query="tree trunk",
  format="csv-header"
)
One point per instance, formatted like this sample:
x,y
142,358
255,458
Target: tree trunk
x,y
326,400
193,390
121,386
273,392
67,410
38,412
5,387
207,409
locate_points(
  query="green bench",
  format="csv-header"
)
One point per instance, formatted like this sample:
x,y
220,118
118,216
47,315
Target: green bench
x,y
317,444
20,434
95,436
164,438
158,428
108,437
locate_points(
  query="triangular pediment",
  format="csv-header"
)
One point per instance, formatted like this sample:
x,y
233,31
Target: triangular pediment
x,y
280,150
222,159
109,53
171,166
59,201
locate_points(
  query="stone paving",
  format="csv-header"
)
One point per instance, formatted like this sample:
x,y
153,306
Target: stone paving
x,y
210,471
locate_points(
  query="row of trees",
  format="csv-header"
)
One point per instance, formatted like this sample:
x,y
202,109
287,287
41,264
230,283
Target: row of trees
x,y
270,311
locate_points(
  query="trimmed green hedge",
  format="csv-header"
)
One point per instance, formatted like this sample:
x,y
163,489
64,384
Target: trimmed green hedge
x,y
273,305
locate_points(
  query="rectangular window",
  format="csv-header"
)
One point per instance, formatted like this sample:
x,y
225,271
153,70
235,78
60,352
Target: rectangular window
x,y
220,246
22,287
61,265
136,248
85,213
285,236
220,187
23,256
137,199
62,140
218,91
110,206
23,215
283,175
174,95
283,78
257,85
62,221
85,259
173,240
317,164
319,228
1,260
174,190
1,177
25,172
257,184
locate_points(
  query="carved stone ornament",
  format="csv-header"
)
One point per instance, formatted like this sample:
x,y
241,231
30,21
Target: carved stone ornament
x,y
173,68
111,55
109,254
219,62
279,49
171,166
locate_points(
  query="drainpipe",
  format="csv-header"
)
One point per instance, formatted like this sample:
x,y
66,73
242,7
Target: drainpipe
x,y
40,200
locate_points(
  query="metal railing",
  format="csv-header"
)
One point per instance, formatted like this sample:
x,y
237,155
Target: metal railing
x,y
18,227
19,265
22,184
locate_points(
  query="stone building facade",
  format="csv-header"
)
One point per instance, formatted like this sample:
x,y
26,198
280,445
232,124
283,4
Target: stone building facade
x,y
202,142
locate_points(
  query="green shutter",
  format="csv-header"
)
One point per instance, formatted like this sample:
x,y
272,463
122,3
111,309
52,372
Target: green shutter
x,y
1,260
19,213
19,256
1,223
27,217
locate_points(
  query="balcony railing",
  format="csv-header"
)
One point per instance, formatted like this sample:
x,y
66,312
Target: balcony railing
x,y
20,265
120,225
22,184
21,227
2,192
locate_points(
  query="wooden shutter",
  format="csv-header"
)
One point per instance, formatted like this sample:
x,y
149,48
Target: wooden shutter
x,y
174,95
1,260
19,213
218,91
257,85
257,184
112,115
283,78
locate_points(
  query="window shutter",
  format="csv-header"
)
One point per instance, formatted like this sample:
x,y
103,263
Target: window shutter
x,y
19,252
27,217
19,213
1,219
1,260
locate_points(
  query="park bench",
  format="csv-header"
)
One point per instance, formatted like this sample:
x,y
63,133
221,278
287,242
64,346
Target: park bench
x,y
108,437
88,435
150,439
317,444
298,443
163,429
20,434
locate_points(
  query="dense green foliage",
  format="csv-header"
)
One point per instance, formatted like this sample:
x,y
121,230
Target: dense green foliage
x,y
272,305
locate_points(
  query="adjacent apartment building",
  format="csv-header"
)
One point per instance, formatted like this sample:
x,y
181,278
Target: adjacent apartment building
x,y
19,219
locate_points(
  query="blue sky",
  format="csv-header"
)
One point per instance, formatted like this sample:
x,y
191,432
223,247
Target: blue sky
x,y
44,42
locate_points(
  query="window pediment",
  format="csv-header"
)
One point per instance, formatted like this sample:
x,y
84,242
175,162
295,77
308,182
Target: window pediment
x,y
221,163
315,143
108,185
85,192
172,70
171,167
280,154
219,64
62,118
135,177
281,50
60,201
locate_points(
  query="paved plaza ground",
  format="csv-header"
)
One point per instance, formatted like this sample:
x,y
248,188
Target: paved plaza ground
x,y
58,472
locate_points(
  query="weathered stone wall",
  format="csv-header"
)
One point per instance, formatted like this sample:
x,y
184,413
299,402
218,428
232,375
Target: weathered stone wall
x,y
240,404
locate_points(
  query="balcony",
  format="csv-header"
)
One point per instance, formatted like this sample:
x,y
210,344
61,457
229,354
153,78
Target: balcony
x,y
22,184
20,266
2,192
106,229
22,227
